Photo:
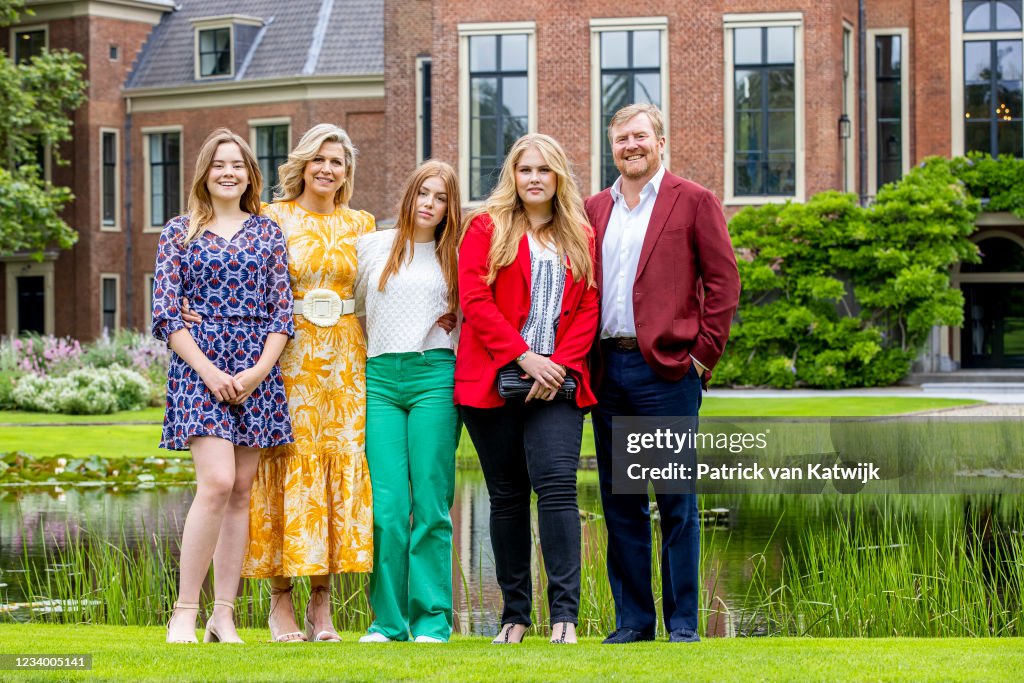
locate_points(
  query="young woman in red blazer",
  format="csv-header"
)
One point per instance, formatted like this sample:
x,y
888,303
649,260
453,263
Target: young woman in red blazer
x,y
527,288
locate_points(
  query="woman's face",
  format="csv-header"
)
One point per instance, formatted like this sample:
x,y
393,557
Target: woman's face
x,y
325,173
535,181
228,178
431,203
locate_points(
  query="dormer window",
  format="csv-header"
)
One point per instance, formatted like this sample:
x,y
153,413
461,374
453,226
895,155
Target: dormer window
x,y
222,42
215,52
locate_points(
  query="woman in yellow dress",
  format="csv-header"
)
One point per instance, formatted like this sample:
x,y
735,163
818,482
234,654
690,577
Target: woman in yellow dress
x,y
311,513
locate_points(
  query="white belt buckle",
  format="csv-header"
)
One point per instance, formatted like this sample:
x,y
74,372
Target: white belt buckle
x,y
322,307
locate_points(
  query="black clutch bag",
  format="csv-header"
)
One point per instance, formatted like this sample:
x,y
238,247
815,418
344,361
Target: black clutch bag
x,y
514,383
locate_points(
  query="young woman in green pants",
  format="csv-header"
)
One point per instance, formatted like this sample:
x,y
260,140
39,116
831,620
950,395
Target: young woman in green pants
x,y
407,290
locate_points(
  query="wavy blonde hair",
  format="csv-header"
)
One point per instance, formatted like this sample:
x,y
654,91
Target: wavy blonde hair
x,y
200,206
446,234
568,230
292,184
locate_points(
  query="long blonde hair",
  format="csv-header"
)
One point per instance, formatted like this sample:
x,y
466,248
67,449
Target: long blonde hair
x,y
292,184
568,229
200,206
446,234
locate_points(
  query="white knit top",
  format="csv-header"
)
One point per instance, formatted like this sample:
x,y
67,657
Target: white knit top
x,y
402,318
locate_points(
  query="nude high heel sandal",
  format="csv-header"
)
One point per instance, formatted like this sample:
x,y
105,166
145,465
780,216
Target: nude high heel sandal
x,y
177,606
211,635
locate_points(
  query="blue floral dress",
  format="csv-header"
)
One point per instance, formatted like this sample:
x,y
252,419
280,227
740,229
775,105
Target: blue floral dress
x,y
241,289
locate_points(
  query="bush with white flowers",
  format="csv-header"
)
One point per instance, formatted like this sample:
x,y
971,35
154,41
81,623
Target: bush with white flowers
x,y
88,391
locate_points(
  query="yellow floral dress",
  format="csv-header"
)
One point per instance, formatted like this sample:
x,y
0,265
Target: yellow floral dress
x,y
311,511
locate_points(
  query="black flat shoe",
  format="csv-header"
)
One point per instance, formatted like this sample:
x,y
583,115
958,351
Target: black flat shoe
x,y
627,635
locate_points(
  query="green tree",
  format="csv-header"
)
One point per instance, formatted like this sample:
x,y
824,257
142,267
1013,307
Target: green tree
x,y
36,101
837,295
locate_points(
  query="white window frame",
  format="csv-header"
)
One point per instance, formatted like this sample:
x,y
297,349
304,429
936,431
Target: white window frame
x,y
12,36
148,180
15,267
597,131
116,227
211,24
872,103
730,23
528,28
147,306
116,277
957,38
420,132
259,123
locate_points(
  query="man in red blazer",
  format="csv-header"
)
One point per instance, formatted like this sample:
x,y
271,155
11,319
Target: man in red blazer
x,y
669,287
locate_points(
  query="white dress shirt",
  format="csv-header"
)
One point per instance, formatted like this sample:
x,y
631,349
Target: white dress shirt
x,y
620,258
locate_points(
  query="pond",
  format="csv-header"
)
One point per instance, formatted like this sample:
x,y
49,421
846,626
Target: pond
x,y
766,560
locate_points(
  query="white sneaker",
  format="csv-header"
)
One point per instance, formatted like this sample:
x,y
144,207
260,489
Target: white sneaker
x,y
427,639
375,638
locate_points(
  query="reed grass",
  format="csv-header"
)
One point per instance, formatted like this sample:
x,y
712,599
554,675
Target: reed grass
x,y
910,566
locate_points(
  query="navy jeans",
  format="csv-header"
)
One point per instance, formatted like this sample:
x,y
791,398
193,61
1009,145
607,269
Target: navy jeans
x,y
523,446
631,387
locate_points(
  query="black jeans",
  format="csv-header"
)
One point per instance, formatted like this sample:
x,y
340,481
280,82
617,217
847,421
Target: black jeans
x,y
522,446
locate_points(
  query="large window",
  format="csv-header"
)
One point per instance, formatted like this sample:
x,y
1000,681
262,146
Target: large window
x,y
214,52
108,178
499,105
764,120
27,43
164,171
630,72
993,68
271,151
889,109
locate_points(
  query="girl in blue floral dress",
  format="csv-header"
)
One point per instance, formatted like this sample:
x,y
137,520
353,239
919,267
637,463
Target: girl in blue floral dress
x,y
225,396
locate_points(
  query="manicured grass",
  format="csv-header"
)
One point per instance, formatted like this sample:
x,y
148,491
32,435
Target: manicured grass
x,y
824,406
82,441
146,415
139,654
113,441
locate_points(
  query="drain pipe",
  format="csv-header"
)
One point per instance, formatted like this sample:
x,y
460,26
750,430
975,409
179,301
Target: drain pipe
x,y
129,278
862,104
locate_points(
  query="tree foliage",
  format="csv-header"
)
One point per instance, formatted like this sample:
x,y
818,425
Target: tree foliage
x,y
838,295
36,100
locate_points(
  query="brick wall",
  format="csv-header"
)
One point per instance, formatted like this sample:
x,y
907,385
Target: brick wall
x,y
696,73
408,34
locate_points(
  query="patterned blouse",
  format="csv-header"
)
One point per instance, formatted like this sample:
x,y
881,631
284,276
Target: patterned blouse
x,y
547,282
243,279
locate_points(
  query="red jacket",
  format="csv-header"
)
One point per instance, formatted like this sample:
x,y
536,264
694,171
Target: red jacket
x,y
494,314
687,286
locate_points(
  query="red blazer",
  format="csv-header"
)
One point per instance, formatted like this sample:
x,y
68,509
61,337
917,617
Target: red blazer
x,y
687,286
494,314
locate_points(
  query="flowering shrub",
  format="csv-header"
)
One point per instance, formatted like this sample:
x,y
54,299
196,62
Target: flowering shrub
x,y
40,354
89,391
130,349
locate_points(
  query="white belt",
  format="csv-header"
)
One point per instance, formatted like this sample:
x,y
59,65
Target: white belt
x,y
323,307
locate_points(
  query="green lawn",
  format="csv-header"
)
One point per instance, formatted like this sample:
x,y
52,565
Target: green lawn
x,y
111,442
140,440
122,653
8,417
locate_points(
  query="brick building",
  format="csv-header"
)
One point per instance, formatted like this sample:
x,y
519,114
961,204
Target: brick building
x,y
162,75
766,100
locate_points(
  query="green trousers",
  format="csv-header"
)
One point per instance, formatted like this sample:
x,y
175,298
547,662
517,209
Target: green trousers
x,y
412,431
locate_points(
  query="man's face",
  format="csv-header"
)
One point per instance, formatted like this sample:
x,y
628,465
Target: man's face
x,y
635,149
